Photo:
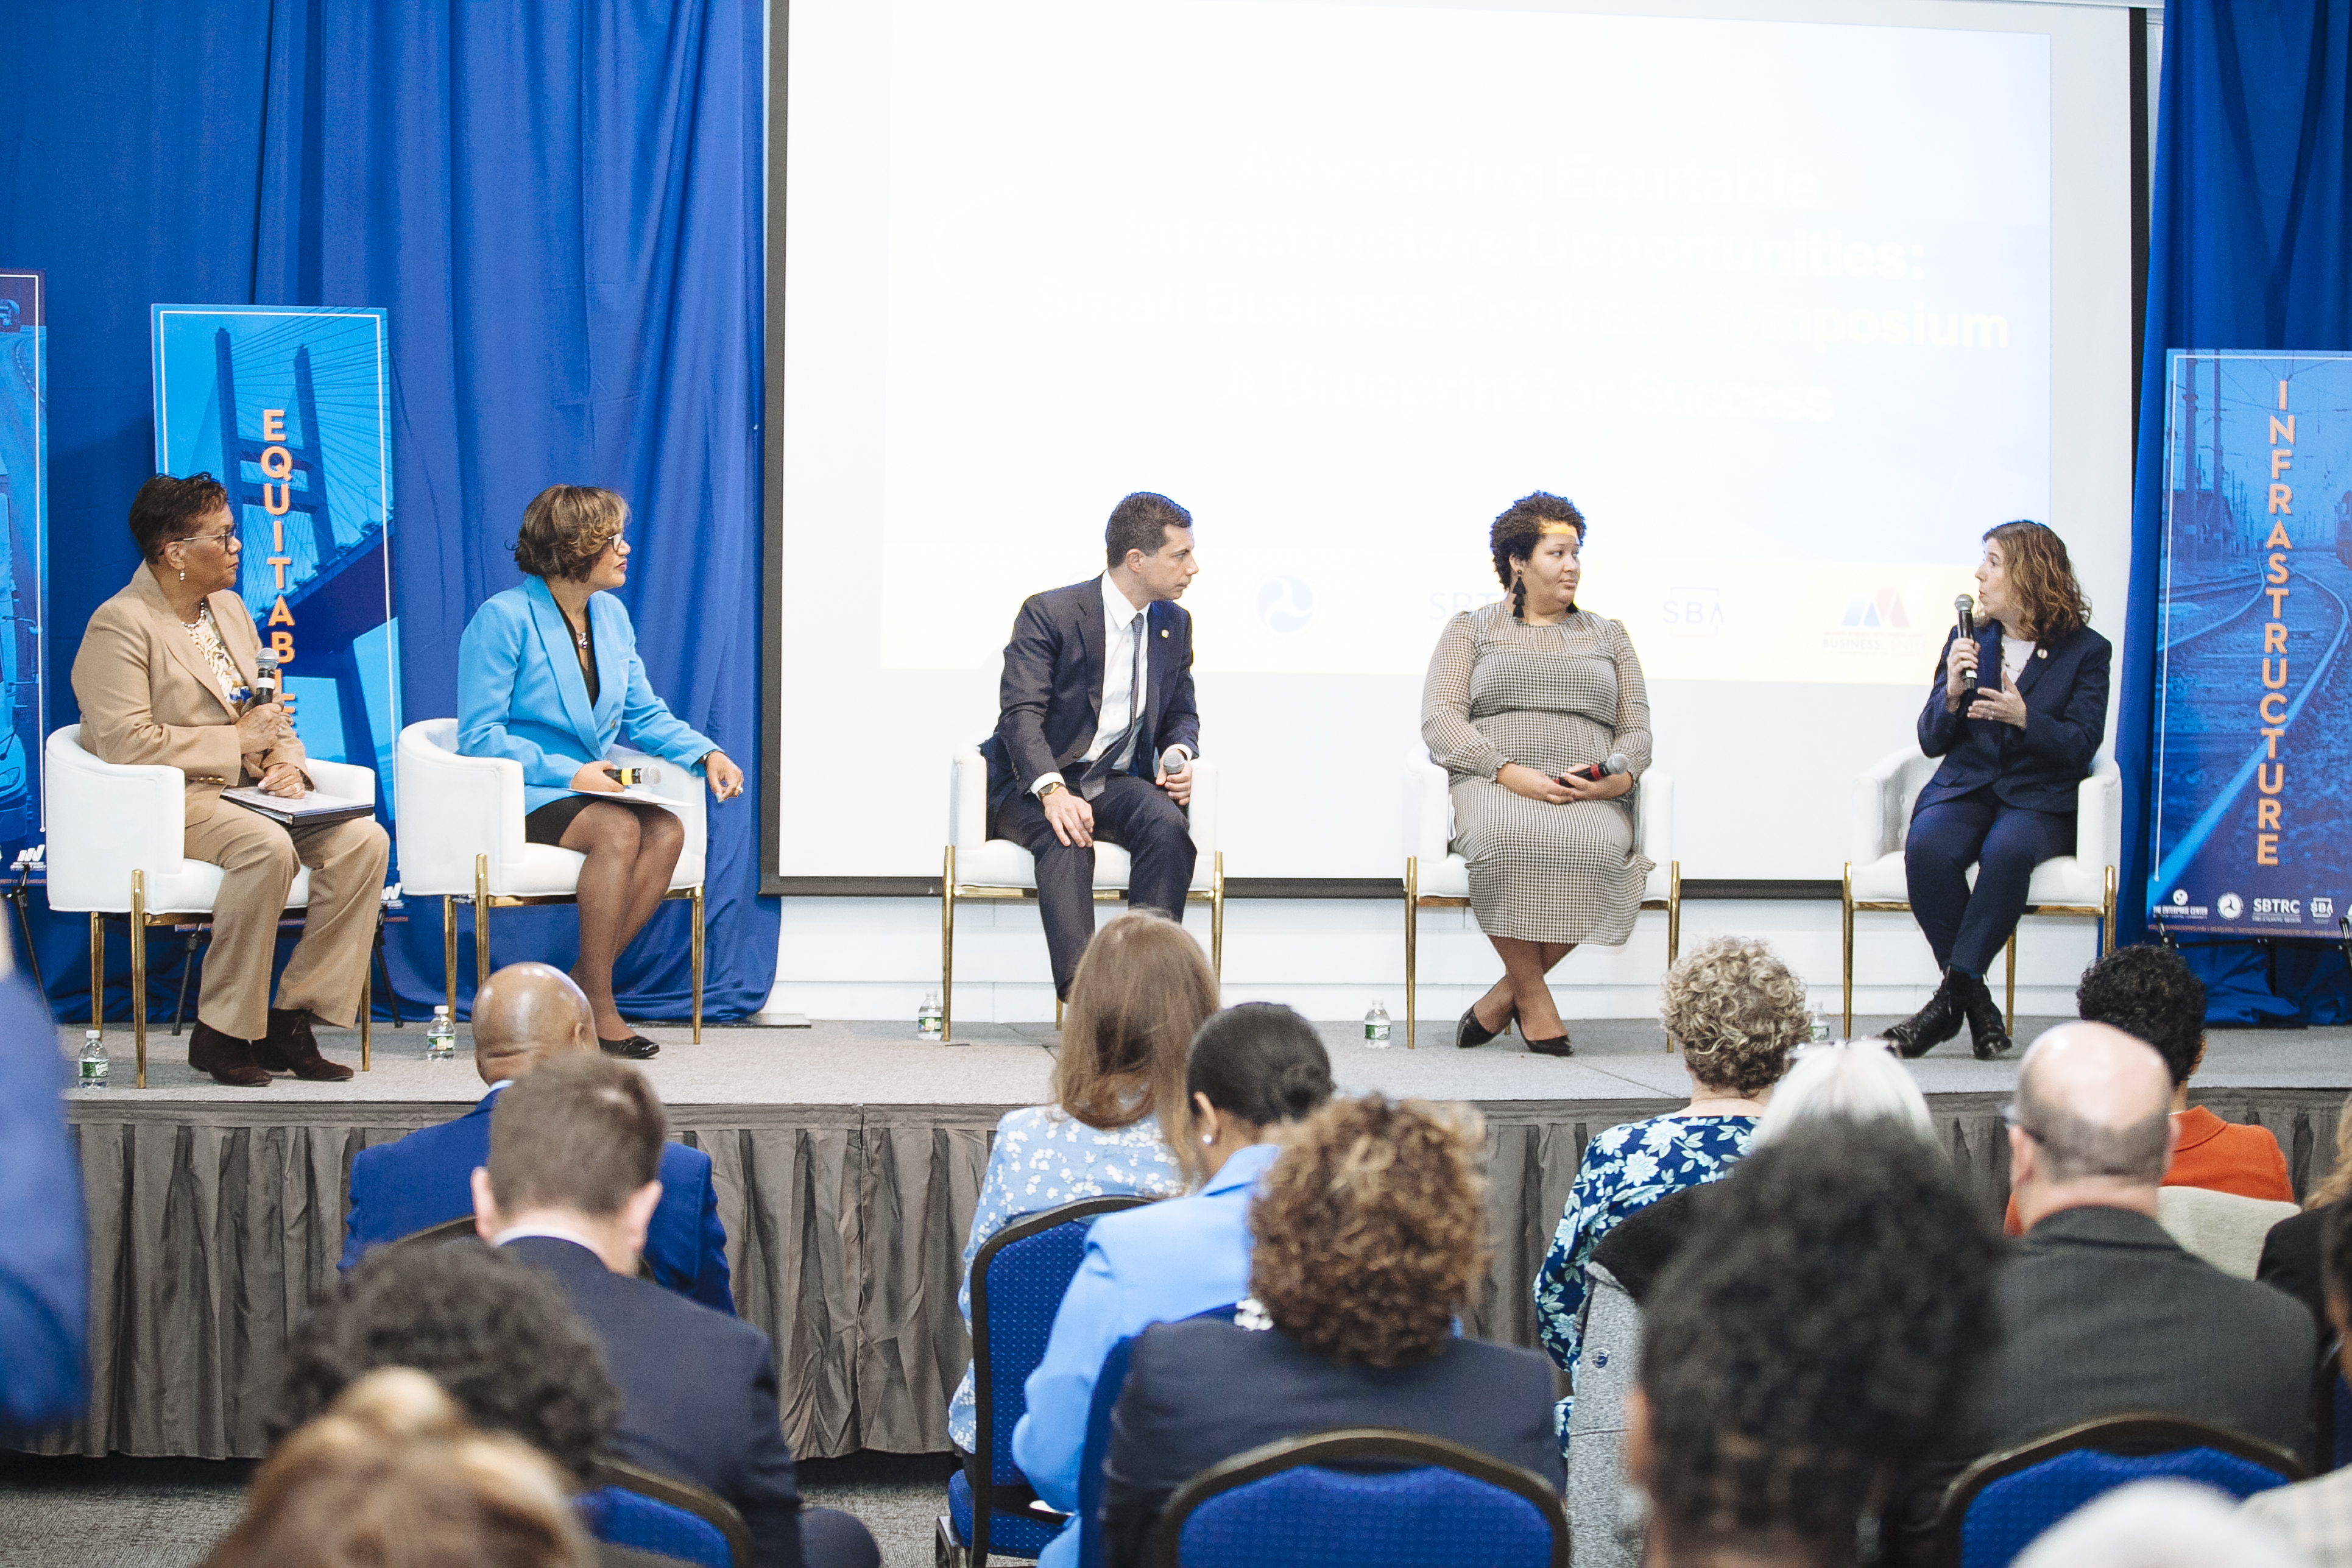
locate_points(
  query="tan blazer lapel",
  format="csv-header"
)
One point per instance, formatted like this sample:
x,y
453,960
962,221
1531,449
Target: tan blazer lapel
x,y
174,635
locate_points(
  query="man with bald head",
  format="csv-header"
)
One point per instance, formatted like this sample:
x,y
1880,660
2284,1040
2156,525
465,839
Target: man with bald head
x,y
527,1014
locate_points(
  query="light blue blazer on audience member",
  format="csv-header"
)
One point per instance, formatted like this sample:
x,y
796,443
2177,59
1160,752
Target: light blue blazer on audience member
x,y
1152,1265
520,694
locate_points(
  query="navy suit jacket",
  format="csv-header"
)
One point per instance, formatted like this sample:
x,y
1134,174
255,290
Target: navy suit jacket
x,y
2064,685
426,1179
1203,1391
43,1245
1050,700
697,1392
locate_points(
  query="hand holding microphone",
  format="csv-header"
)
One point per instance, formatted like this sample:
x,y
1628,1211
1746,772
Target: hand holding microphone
x,y
1591,782
1175,776
1960,664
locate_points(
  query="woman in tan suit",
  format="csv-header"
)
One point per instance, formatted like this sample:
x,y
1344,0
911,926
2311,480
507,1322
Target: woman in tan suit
x,y
164,675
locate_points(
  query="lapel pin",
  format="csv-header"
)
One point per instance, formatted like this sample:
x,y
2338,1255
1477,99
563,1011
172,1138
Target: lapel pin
x,y
2041,652
1163,631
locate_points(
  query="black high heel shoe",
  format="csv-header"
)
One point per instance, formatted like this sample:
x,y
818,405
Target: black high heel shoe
x,y
1469,1033
1559,1048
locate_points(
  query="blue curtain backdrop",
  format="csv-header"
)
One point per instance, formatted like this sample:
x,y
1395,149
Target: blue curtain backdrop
x,y
560,202
2250,247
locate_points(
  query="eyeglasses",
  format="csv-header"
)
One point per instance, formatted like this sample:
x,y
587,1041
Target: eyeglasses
x,y
2013,1117
227,539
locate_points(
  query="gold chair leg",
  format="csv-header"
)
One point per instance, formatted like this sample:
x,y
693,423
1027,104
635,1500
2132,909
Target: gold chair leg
x,y
139,969
1217,921
98,974
1674,924
449,953
481,922
2107,919
1412,931
697,963
2009,963
1845,943
947,949
367,1013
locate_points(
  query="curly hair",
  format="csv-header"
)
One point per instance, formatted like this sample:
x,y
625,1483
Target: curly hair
x,y
1736,1011
1143,989
2150,993
1809,1341
166,509
1514,535
2043,579
497,1335
1370,1229
391,1476
566,527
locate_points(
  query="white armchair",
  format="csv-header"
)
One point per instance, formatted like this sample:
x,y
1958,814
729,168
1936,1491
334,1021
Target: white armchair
x,y
2083,883
978,866
116,841
1436,877
460,829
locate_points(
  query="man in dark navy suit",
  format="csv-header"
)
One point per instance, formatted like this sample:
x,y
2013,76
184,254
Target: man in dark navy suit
x,y
570,1189
527,1014
44,1243
1096,730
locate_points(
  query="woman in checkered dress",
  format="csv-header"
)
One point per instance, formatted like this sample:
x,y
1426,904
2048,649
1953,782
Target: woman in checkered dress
x,y
1518,694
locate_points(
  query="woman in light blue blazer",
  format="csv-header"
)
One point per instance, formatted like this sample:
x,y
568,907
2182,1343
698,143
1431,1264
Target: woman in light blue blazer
x,y
1251,1067
548,675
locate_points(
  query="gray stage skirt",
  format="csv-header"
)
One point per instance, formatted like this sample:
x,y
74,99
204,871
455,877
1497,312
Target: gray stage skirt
x,y
212,1227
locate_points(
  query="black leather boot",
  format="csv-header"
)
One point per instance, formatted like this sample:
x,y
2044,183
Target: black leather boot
x,y
1987,1033
1938,1021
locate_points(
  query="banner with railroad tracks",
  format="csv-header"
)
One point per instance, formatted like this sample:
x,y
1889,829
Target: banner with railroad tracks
x,y
24,552
291,408
2253,745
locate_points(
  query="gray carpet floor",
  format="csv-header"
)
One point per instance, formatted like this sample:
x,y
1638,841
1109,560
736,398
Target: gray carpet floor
x,y
168,1513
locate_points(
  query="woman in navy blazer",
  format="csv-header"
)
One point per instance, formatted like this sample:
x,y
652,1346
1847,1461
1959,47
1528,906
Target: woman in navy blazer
x,y
548,675
2004,799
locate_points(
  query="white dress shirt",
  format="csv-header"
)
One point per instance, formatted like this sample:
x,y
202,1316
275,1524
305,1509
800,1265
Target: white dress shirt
x,y
1124,627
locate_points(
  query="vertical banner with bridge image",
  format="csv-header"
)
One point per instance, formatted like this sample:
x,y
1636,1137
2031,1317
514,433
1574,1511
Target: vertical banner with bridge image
x,y
291,408
2253,747
24,552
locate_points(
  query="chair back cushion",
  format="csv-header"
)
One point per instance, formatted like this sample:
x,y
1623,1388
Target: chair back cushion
x,y
1009,1534
2007,1514
1419,1518
620,1518
1027,1278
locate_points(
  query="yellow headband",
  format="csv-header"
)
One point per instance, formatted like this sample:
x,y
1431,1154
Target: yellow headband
x,y
1559,528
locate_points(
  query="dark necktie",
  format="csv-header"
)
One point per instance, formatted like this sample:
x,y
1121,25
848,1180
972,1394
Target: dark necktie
x,y
1116,756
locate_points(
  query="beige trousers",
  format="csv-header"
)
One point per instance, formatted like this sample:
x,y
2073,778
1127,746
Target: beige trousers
x,y
259,860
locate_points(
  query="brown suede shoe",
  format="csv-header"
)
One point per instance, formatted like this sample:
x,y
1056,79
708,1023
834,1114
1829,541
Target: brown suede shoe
x,y
291,1047
227,1058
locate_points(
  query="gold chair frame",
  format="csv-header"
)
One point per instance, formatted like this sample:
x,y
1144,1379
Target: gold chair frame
x,y
2104,912
483,901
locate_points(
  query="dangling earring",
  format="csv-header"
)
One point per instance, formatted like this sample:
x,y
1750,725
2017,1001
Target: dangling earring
x,y
183,576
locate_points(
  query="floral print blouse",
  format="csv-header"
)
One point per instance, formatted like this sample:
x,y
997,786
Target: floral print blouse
x,y
1045,1157
1626,1168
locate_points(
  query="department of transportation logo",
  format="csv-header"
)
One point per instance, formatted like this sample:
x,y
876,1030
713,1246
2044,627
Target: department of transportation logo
x,y
1285,604
2228,906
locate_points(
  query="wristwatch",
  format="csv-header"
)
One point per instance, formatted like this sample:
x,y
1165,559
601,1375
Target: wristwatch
x,y
1049,789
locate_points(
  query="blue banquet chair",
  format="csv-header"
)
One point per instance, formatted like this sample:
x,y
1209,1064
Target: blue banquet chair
x,y
1367,1496
1018,1280
628,1505
2003,1501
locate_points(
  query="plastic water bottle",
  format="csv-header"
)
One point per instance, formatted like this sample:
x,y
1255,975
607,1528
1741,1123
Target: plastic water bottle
x,y
93,1059
927,1018
1821,1027
441,1037
1376,1026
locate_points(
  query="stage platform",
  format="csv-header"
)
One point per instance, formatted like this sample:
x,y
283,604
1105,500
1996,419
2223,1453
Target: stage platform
x,y
848,1158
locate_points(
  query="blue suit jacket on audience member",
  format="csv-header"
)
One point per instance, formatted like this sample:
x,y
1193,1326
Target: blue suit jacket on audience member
x,y
520,694
1199,1392
697,1392
426,1178
1158,1264
44,1247
2064,685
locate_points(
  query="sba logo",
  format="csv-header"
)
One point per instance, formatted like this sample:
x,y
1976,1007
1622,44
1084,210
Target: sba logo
x,y
1285,604
1692,611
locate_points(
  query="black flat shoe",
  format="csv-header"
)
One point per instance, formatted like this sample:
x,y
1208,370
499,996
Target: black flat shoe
x,y
1559,1048
1938,1021
635,1048
1469,1033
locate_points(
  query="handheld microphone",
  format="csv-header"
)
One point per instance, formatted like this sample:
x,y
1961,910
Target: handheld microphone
x,y
264,676
1174,761
642,774
1966,608
1593,772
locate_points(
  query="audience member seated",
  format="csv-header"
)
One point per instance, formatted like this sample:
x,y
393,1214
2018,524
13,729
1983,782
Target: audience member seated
x,y
393,1477
1252,1068
1805,1348
2290,1260
527,1014
2316,1515
43,1245
499,1338
1116,1124
1371,1234
2159,1524
1734,1011
2102,1312
570,1189
2150,993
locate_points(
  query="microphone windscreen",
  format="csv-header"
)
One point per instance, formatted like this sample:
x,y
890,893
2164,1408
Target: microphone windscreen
x,y
1616,763
1965,607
